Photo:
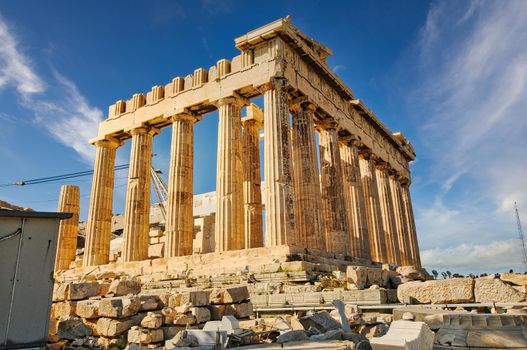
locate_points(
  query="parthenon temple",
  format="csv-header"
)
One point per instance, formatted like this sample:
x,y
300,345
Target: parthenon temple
x,y
351,200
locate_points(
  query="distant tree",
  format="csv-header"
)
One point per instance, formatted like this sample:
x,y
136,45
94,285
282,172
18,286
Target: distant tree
x,y
444,275
435,273
483,275
457,275
471,275
449,274
511,271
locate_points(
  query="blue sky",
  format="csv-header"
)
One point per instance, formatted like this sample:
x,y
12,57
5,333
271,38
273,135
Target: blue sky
x,y
451,75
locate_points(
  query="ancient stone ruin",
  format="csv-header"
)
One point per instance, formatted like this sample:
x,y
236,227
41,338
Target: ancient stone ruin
x,y
357,207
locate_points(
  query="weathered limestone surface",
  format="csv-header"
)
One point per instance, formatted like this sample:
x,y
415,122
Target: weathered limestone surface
x,y
354,198
493,290
401,225
279,210
410,223
514,278
405,335
387,214
308,202
69,202
454,290
333,205
98,227
179,220
252,192
487,331
230,233
137,209
373,210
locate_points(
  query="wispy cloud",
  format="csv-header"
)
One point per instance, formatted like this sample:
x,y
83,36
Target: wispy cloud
x,y
472,88
15,67
57,104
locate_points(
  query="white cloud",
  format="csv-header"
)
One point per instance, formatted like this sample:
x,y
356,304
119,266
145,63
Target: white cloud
x,y
472,90
495,256
57,104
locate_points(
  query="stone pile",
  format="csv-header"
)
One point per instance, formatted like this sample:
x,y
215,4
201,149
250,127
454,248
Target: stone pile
x,y
508,288
106,315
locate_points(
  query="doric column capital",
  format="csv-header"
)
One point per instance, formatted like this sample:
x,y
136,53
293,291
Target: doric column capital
x,y
143,130
351,140
277,83
327,124
108,143
188,116
301,104
366,153
234,99
405,182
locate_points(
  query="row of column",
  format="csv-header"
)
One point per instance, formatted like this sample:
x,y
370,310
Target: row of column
x,y
355,207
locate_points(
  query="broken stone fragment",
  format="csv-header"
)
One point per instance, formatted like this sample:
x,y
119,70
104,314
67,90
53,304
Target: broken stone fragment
x,y
64,309
229,295
152,320
149,302
202,314
197,298
357,275
243,310
110,327
60,291
88,308
182,339
119,306
183,309
322,321
124,287
292,336
454,290
140,335
72,328
493,290
82,290
182,320
405,335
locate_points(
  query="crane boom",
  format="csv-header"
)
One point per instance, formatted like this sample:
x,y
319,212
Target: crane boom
x,y
521,236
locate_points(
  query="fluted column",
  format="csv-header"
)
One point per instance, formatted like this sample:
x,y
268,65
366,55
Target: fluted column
x,y
137,209
179,221
68,228
252,192
373,210
354,197
333,203
400,221
308,201
387,214
229,177
279,192
98,226
412,234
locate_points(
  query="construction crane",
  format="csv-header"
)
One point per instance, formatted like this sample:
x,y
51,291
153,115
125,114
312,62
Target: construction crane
x,y
160,188
520,236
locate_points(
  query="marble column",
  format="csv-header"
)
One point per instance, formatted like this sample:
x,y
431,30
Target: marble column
x,y
333,203
98,226
229,234
137,208
252,192
354,197
387,214
179,224
400,221
412,234
308,201
68,228
373,209
279,191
